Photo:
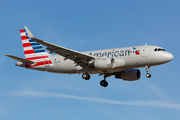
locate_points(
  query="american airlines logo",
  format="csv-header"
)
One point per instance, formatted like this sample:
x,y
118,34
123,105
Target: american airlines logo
x,y
136,51
114,53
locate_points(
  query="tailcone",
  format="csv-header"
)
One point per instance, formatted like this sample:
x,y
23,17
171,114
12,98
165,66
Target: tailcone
x,y
20,64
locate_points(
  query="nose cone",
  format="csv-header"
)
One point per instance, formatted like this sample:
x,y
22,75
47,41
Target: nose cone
x,y
162,57
169,57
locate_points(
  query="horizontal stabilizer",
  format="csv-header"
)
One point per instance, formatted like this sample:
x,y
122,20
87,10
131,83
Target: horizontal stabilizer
x,y
20,59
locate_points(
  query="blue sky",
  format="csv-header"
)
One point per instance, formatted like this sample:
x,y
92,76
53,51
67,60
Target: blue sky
x,y
89,25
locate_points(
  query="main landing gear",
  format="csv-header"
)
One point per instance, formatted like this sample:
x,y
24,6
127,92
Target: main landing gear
x,y
103,83
86,76
148,75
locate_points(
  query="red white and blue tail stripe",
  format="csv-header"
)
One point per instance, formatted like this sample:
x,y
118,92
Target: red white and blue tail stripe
x,y
34,51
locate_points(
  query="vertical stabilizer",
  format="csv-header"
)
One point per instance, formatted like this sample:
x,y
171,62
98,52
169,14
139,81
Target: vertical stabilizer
x,y
32,50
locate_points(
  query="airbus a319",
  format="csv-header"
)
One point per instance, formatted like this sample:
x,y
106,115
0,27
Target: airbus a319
x,y
119,62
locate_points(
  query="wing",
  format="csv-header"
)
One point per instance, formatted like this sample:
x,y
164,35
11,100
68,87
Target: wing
x,y
77,57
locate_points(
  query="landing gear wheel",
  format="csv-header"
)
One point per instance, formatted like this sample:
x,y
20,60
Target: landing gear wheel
x,y
104,83
147,70
86,76
148,75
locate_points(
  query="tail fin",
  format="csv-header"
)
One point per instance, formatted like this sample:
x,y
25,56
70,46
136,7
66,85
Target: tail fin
x,y
32,50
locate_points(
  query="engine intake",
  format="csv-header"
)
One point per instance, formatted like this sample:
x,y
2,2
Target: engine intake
x,y
104,63
129,75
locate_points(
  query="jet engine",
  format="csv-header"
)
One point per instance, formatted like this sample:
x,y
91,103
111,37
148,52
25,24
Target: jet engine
x,y
129,75
104,63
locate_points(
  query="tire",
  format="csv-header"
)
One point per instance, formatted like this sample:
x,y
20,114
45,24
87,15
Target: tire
x,y
86,76
148,75
104,83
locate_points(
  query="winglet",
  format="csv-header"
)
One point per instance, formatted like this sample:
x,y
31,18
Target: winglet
x,y
29,32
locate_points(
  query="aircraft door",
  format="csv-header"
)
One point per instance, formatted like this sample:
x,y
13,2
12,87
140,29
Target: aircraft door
x,y
46,62
144,51
57,61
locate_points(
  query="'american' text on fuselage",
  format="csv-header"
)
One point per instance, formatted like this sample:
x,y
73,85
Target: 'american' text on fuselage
x,y
113,53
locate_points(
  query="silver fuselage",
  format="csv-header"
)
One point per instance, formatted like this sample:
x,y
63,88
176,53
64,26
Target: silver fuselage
x,y
125,57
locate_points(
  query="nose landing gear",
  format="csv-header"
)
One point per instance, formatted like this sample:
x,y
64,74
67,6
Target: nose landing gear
x,y
148,75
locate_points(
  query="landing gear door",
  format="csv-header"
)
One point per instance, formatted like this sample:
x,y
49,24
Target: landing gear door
x,y
144,51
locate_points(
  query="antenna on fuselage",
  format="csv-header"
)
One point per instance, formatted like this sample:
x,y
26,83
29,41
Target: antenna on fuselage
x,y
145,44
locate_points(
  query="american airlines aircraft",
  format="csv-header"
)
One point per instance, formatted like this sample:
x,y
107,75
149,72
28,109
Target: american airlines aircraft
x,y
120,62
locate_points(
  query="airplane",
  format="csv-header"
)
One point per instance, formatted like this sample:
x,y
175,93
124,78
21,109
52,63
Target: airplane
x,y
119,62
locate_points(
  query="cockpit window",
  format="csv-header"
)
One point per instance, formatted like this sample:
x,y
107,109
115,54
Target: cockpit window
x,y
159,49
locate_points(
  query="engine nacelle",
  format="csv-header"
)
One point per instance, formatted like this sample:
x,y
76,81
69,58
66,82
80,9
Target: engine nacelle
x,y
129,75
104,63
